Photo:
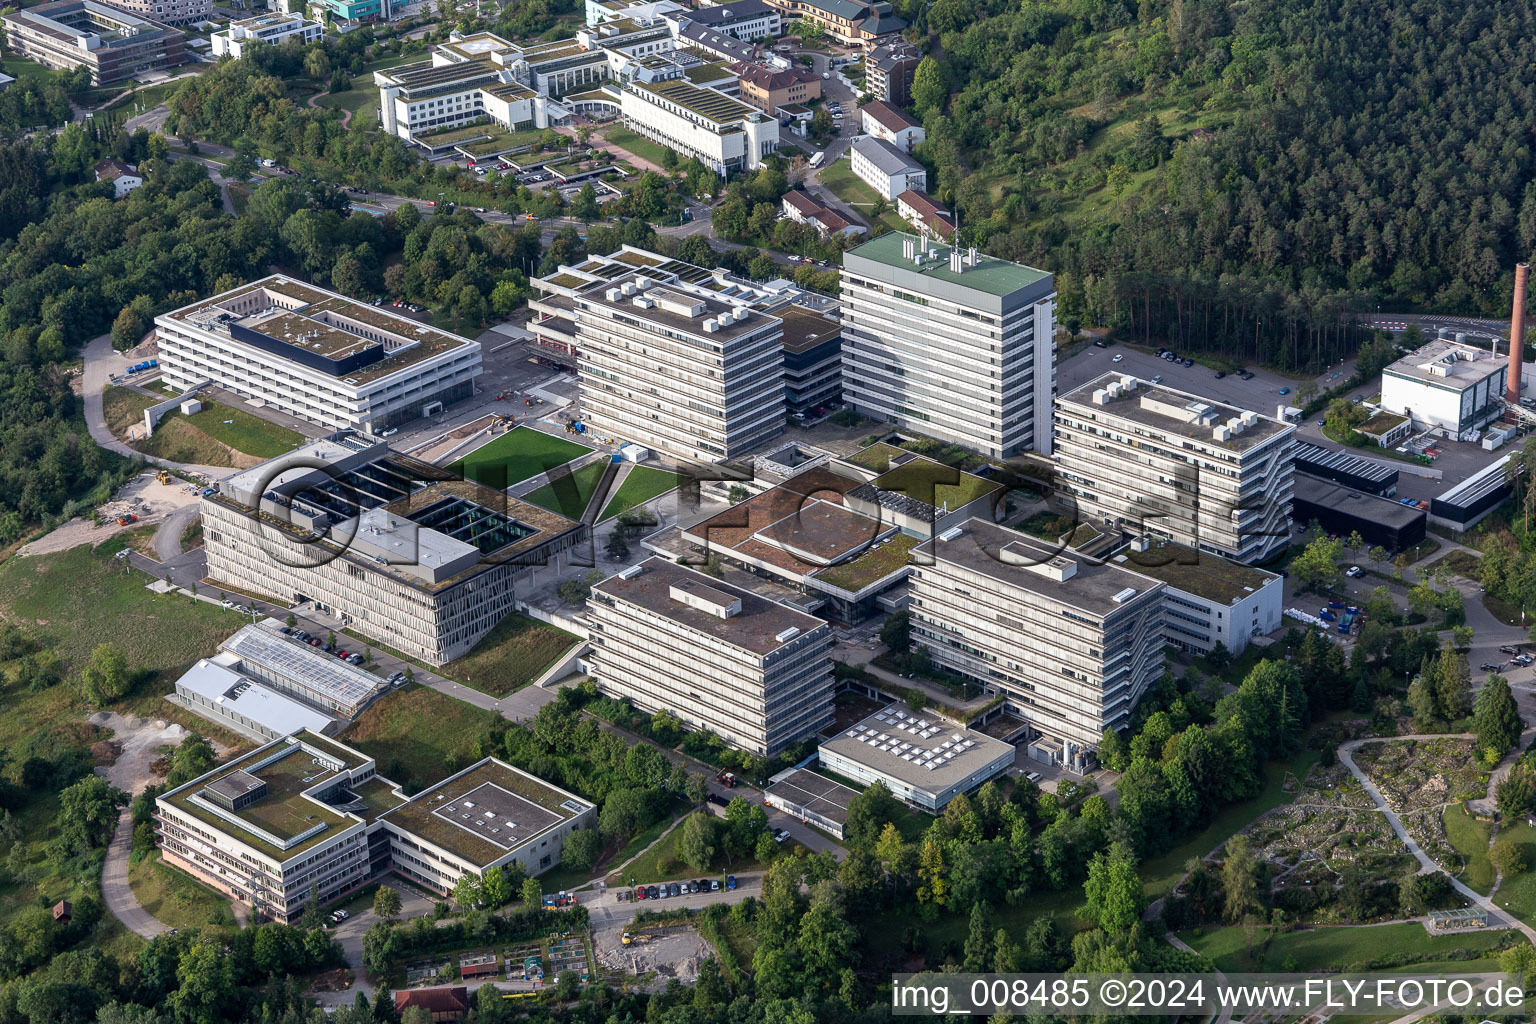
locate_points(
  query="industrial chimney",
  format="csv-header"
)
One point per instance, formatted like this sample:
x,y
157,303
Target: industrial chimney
x,y
1517,334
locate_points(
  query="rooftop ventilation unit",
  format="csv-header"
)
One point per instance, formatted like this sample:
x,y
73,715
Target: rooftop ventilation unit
x,y
1128,382
739,313
643,302
1220,432
788,634
1124,595
629,288
951,533
614,294
1100,397
630,573
710,327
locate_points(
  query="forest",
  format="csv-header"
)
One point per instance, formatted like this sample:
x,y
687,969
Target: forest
x,y
1238,178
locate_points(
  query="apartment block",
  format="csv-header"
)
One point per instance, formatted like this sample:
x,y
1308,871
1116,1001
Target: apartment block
x,y
949,343
884,121
678,368
264,828
1070,644
264,29
1145,458
115,42
768,89
889,69
406,553
885,168
754,672
317,355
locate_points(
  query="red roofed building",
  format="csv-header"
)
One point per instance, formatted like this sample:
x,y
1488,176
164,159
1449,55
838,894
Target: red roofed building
x,y
919,210
803,208
884,121
768,90
444,1004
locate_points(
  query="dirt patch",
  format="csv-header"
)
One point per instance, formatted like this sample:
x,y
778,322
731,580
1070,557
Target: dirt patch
x,y
675,953
143,497
139,742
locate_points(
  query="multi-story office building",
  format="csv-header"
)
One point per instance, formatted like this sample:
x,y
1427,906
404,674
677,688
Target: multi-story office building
x,y
1145,458
813,362
305,810
1071,645
599,11
748,20
317,355
320,680
949,343
168,12
264,828
346,15
1453,387
489,815
113,43
768,89
264,29
750,670
726,135
1209,599
404,552
925,761
678,368
888,71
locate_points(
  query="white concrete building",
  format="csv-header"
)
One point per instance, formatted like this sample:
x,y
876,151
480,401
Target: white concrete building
x,y
124,178
266,827
406,553
679,368
1070,644
884,121
216,689
922,758
726,135
748,20
599,11
489,815
264,29
264,653
1209,599
949,343
754,672
1455,388
315,354
886,169
1144,458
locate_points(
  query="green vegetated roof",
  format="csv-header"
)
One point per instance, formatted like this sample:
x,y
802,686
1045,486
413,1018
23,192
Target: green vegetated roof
x,y
924,479
871,567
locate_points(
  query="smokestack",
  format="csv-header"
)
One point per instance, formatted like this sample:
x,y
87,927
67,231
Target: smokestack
x,y
1517,333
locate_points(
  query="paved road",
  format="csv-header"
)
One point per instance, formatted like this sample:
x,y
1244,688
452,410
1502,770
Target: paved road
x,y
115,892
168,536
1426,864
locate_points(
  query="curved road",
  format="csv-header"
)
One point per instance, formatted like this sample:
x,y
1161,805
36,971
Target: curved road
x,y
115,892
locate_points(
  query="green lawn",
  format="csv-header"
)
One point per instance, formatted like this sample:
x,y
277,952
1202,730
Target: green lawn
x,y
244,432
571,495
1470,838
363,98
511,656
1337,948
515,456
1159,874
419,736
838,177
175,898
1517,893
638,145
21,69
647,867
642,484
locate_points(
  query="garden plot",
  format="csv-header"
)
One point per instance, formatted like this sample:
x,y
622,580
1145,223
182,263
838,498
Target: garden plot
x,y
1315,843
569,954
1332,786
1418,775
1427,828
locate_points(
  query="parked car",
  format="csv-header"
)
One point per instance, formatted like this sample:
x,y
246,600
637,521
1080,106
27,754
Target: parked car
x,y
1157,378
1189,362
639,892
714,885
730,882
285,630
1285,391
356,659
1118,358
1354,571
1220,374
1033,777
651,892
1489,666
781,835
340,916
674,889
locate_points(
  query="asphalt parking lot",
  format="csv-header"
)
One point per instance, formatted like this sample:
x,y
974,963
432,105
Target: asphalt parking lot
x,y
1261,394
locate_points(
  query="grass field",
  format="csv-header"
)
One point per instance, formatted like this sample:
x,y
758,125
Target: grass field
x,y
840,180
1159,874
419,736
642,484
243,431
124,407
1470,838
515,456
22,69
571,497
175,898
1517,893
511,656
638,145
363,98
1329,948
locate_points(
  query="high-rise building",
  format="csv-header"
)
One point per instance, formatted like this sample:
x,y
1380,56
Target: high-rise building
x,y
949,343
1071,644
688,372
1144,458
754,672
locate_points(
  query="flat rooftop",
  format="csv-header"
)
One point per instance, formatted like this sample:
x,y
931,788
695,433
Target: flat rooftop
x,y
925,488
804,329
921,749
816,793
261,644
1446,364
1316,458
1177,413
715,107
295,770
708,307
486,811
1023,562
761,627
991,275
1480,484
1361,504
1196,572
227,689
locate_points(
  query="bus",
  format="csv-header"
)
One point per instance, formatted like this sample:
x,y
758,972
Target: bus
x,y
817,158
